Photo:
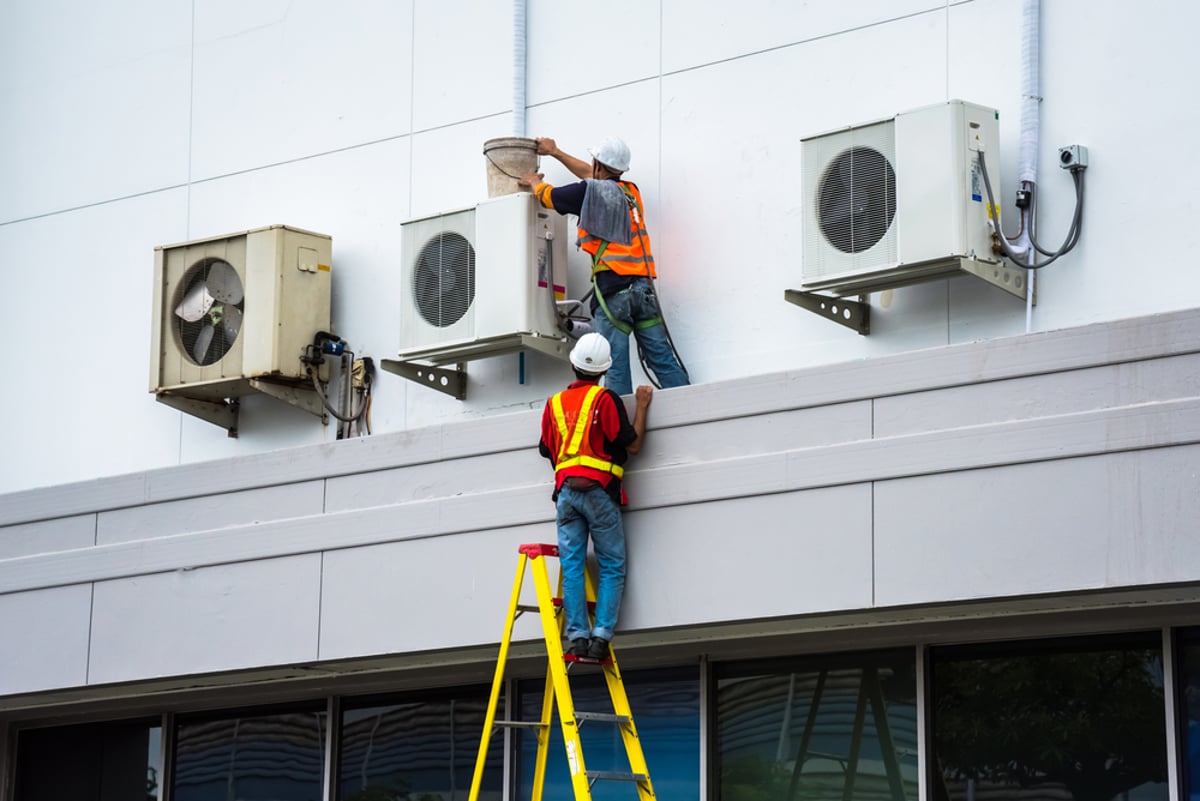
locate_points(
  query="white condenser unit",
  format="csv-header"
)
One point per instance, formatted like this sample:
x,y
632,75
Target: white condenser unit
x,y
901,201
481,281
234,314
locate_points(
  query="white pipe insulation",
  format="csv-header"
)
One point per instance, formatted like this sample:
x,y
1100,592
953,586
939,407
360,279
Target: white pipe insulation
x,y
519,68
1031,128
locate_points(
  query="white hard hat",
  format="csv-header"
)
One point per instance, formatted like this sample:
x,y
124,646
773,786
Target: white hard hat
x,y
591,354
612,153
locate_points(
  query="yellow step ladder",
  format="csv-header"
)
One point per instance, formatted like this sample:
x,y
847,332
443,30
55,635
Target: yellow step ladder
x,y
558,691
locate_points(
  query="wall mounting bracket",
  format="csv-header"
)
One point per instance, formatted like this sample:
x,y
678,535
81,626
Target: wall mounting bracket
x,y
300,396
854,314
220,412
452,382
426,368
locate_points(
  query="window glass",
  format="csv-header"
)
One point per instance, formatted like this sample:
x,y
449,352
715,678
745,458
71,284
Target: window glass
x,y
421,749
818,727
1066,719
1189,706
119,761
666,711
252,757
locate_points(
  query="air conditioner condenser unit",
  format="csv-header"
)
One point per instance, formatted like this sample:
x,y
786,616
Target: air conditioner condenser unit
x,y
234,314
901,201
481,281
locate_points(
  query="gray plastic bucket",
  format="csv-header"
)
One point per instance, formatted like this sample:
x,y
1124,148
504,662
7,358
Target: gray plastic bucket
x,y
508,158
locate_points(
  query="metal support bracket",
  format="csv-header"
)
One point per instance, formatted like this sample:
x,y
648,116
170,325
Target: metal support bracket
x,y
1012,280
853,314
223,413
301,397
451,382
560,348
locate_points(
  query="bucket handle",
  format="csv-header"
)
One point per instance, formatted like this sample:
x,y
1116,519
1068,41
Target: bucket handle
x,y
488,156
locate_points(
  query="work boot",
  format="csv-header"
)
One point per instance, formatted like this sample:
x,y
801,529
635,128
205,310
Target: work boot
x,y
598,649
579,647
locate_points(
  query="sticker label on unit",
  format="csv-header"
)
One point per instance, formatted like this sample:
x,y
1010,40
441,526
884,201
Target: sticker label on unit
x,y
976,183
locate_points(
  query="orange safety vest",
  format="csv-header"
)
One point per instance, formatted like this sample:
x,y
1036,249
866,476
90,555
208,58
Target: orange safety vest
x,y
573,411
632,259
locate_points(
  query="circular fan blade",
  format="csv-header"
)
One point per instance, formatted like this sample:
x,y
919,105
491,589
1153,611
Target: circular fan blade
x,y
203,340
223,283
195,304
232,322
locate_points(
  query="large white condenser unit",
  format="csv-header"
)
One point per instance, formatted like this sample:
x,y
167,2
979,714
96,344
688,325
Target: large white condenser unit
x,y
902,200
481,281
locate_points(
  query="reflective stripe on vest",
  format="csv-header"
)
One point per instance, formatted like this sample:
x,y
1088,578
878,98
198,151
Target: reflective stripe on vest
x,y
632,259
570,442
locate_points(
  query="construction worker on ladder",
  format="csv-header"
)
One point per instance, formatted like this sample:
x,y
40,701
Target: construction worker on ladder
x,y
587,436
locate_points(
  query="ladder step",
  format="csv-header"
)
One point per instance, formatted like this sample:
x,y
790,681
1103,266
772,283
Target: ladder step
x,y
616,776
518,724
606,717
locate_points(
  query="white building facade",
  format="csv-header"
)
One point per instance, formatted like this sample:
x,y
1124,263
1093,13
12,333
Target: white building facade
x,y
951,557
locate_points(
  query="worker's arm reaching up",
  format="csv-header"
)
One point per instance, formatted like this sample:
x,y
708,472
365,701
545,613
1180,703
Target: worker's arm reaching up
x,y
641,397
578,167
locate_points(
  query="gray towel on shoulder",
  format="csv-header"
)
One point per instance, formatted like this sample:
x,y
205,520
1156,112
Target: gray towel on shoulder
x,y
605,212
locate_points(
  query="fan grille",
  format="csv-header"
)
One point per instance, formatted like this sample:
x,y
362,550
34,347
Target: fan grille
x,y
857,199
216,309
444,279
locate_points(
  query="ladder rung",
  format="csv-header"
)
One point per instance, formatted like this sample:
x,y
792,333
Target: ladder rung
x,y
606,717
527,608
616,776
518,724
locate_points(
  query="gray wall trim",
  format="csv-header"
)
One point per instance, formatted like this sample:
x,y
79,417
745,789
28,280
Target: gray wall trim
x,y
1151,425
1054,351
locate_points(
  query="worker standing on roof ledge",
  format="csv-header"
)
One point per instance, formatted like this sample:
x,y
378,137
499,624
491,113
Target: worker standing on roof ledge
x,y
612,230
587,436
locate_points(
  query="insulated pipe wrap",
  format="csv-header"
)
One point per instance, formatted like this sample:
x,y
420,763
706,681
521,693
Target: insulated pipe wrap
x,y
519,67
1031,98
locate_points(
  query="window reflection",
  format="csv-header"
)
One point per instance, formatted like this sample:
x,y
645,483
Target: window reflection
x,y
817,728
1189,706
265,757
118,761
424,749
1080,719
666,711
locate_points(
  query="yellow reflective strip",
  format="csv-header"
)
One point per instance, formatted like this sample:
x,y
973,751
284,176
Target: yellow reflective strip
x,y
560,419
581,422
592,462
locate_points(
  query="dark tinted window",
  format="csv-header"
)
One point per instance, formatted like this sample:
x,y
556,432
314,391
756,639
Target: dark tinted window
x,y
1067,719
818,727
251,757
94,762
420,749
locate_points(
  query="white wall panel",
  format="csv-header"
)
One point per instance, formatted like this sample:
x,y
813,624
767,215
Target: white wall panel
x,y
278,81
1107,521
1039,396
80,384
45,636
698,33
422,594
197,621
210,512
462,56
579,49
787,554
60,534
95,108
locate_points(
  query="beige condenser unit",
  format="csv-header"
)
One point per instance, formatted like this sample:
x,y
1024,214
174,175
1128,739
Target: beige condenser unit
x,y
237,314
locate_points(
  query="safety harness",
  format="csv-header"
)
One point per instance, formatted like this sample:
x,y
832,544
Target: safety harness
x,y
599,266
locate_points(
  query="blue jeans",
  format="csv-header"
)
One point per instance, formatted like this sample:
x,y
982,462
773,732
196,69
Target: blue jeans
x,y
631,305
578,514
